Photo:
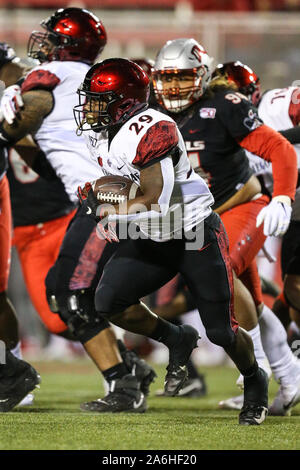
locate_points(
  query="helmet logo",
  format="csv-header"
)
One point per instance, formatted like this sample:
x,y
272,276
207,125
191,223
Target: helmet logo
x,y
197,53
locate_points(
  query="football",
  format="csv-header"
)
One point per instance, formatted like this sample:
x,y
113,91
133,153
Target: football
x,y
115,189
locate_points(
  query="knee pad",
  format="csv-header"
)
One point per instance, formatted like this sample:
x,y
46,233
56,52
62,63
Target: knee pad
x,y
223,338
77,310
107,302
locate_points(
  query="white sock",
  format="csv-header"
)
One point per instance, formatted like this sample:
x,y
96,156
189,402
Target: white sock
x,y
278,352
16,351
258,347
259,354
294,327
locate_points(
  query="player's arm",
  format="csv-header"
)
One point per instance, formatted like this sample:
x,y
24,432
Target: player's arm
x,y
272,147
37,105
242,122
156,184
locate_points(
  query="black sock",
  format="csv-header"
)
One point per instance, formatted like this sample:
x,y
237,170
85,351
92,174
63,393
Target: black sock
x,y
166,333
251,370
115,372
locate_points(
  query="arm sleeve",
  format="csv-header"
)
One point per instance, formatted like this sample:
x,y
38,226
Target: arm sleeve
x,y
272,147
163,200
157,143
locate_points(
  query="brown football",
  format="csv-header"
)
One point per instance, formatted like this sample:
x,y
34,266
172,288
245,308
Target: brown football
x,y
115,189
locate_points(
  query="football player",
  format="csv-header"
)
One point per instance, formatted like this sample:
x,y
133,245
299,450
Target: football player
x,y
17,378
72,40
132,140
279,109
218,123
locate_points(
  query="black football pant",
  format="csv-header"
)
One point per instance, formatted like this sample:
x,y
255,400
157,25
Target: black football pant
x,y
140,267
75,275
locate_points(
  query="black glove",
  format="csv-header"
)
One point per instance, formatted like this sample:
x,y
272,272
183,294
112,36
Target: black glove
x,y
89,200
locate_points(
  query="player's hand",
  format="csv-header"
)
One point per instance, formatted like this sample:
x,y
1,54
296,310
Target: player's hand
x,y
11,103
107,230
89,200
275,216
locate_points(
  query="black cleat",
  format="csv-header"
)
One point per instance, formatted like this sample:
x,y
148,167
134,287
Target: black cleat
x,y
16,386
124,396
252,415
179,356
192,388
144,373
255,407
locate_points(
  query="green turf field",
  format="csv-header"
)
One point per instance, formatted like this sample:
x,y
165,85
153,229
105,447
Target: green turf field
x,y
55,421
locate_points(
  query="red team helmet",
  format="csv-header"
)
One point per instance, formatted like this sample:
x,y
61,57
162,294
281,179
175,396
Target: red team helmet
x,y
146,64
244,78
71,34
113,91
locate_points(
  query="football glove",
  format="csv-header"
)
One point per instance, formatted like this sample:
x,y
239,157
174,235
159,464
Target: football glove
x,y
11,103
106,230
89,200
275,216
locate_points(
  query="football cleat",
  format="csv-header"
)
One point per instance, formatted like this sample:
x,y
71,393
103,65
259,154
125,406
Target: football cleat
x,y
179,355
286,398
255,406
144,373
27,401
252,415
192,388
124,395
233,403
14,388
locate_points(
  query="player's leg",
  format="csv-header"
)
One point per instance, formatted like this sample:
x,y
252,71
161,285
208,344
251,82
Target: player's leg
x,y
70,291
18,375
170,302
17,379
208,275
8,319
38,248
136,270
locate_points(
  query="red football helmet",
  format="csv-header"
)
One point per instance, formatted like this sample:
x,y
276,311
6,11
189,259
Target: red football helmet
x,y
245,79
71,34
112,92
146,64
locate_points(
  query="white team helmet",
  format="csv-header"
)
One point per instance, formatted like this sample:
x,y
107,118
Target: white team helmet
x,y
177,56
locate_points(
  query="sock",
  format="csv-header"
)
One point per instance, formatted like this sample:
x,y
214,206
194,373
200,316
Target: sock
x,y
258,347
258,352
278,352
16,351
115,372
166,333
294,327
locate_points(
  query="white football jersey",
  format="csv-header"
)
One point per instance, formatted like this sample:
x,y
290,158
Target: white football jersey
x,y
143,139
57,137
273,109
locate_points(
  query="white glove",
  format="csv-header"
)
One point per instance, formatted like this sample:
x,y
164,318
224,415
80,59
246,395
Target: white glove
x,y
276,216
11,103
